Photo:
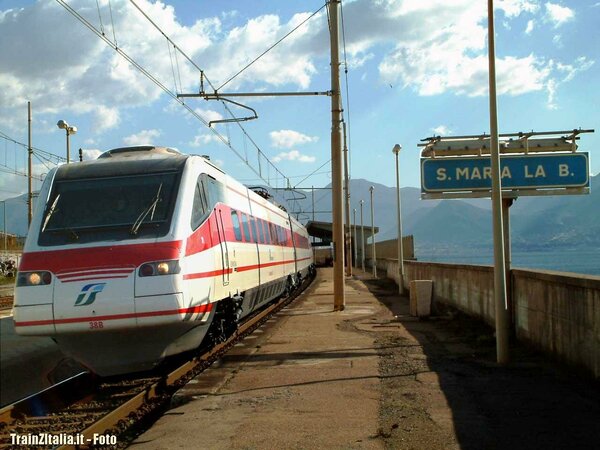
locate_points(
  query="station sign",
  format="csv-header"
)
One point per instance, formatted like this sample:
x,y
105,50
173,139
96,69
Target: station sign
x,y
527,172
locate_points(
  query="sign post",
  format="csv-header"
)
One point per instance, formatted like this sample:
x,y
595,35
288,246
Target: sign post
x,y
460,167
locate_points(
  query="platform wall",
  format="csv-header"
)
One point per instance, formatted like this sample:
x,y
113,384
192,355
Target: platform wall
x,y
556,312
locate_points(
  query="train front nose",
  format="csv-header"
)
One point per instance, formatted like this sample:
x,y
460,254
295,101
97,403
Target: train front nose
x,y
94,300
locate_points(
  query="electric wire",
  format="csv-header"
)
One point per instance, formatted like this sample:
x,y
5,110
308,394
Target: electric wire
x,y
152,78
228,142
35,149
271,47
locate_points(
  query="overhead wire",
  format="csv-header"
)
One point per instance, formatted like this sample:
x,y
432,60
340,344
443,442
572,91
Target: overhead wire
x,y
178,49
151,77
271,47
35,149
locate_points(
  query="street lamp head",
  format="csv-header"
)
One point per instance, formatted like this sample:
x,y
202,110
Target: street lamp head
x,y
397,149
62,124
362,202
371,189
72,130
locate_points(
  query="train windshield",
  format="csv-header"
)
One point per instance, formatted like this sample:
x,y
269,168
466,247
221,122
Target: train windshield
x,y
109,208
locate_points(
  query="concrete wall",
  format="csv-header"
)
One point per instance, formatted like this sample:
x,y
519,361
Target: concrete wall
x,y
557,312
389,249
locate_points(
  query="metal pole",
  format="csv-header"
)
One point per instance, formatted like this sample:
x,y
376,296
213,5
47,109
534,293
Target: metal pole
x,y
29,167
347,231
354,236
68,147
506,204
313,208
502,351
362,237
396,151
373,252
336,159
5,227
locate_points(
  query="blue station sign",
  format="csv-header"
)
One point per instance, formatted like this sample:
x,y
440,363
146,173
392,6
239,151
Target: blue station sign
x,y
455,174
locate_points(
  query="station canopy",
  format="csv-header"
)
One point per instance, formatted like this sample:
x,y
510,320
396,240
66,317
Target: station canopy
x,y
324,230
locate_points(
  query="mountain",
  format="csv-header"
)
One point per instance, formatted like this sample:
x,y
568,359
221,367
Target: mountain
x,y
16,215
542,223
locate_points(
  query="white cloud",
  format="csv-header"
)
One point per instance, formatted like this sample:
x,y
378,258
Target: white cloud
x,y
203,139
294,155
530,26
208,114
441,130
90,154
142,138
290,138
513,8
558,14
91,78
432,47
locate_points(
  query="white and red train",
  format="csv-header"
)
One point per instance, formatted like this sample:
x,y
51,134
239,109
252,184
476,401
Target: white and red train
x,y
145,252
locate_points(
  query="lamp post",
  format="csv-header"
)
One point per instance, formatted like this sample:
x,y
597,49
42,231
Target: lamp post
x,y
371,189
396,151
70,130
362,236
354,235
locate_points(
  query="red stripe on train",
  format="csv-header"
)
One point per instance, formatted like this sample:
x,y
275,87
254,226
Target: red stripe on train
x,y
94,258
193,310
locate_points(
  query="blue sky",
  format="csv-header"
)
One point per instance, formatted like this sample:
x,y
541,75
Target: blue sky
x,y
415,68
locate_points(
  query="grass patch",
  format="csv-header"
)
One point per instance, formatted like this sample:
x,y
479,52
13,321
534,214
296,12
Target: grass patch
x,y
6,280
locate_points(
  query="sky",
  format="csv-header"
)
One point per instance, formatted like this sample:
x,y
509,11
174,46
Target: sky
x,y
415,68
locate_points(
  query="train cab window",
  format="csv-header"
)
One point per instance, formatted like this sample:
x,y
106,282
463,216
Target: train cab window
x,y
200,206
237,231
214,189
247,235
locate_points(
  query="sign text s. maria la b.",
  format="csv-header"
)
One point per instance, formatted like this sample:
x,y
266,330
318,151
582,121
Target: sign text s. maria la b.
x,y
522,172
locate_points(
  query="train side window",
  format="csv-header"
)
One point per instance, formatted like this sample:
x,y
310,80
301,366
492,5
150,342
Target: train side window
x,y
236,225
261,232
200,208
273,234
247,235
265,225
254,230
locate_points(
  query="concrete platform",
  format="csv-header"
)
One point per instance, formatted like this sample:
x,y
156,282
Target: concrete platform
x,y
374,377
303,381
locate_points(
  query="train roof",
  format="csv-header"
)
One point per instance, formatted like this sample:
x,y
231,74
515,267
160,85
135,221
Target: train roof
x,y
125,161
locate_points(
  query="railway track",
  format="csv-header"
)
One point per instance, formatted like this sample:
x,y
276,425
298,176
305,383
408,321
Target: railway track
x,y
91,412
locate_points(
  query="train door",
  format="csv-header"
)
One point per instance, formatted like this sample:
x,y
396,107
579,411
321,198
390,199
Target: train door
x,y
223,247
294,247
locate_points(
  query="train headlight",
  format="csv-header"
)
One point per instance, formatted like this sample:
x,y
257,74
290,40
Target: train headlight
x,y
159,268
37,278
163,268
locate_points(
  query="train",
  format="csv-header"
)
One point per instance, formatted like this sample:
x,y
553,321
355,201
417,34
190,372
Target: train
x,y
146,252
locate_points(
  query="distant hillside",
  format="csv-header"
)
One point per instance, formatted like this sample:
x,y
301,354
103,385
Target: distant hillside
x,y
536,222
